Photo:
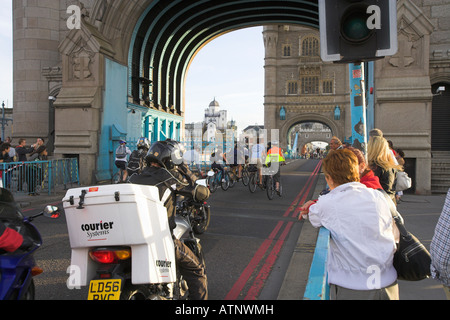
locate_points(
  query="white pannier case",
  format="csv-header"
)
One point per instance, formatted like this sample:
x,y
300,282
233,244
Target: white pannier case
x,y
121,215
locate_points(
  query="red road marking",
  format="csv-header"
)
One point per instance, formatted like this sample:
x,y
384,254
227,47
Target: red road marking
x,y
267,267
240,283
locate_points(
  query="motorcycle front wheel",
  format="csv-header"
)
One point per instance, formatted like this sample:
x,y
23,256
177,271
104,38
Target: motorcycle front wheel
x,y
200,223
29,295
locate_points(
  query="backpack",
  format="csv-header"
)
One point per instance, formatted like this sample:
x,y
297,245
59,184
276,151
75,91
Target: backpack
x,y
135,162
121,152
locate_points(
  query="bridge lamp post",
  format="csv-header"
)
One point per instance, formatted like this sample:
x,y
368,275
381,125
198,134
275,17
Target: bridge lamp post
x,y
4,121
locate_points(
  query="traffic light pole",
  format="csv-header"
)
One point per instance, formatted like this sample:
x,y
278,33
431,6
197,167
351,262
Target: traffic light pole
x,y
358,106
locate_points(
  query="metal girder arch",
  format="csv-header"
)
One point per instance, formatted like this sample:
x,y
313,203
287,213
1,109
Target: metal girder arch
x,y
165,44
161,34
162,80
139,40
177,69
182,53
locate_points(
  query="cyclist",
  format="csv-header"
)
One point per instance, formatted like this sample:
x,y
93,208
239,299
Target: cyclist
x,y
122,152
275,155
238,160
218,158
137,158
258,154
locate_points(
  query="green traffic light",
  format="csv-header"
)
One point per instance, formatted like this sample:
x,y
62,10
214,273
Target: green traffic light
x,y
354,26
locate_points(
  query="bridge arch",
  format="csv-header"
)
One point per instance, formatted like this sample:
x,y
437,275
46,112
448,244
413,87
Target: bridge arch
x,y
130,59
307,117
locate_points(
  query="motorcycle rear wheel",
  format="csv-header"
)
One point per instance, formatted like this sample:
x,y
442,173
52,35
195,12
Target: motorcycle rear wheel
x,y
135,292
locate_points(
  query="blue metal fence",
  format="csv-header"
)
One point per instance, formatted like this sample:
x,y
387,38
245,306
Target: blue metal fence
x,y
39,176
317,287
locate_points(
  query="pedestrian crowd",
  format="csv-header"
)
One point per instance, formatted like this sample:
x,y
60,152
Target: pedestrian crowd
x,y
364,236
21,152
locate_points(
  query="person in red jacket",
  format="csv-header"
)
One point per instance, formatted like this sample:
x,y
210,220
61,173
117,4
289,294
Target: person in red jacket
x,y
367,176
10,240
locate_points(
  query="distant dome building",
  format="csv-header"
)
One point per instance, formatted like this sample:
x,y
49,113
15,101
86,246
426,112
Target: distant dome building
x,y
215,120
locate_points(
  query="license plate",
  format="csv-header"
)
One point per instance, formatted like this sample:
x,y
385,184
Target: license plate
x,y
105,289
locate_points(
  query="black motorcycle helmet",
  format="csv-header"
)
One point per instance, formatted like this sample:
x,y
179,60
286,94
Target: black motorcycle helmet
x,y
177,150
160,152
9,210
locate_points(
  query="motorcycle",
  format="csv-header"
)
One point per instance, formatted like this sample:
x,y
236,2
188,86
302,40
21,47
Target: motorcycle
x,y
17,269
197,212
122,246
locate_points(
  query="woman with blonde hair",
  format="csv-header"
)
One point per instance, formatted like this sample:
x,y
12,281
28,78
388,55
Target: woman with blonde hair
x,y
383,164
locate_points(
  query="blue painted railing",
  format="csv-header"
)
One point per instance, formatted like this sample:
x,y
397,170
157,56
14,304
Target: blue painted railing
x,y
42,176
317,287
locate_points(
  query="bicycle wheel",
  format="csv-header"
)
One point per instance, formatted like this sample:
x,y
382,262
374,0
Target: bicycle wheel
x,y
116,178
270,187
232,178
252,184
245,177
225,182
212,183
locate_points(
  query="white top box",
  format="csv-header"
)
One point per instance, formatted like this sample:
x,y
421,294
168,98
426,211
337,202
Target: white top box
x,y
121,215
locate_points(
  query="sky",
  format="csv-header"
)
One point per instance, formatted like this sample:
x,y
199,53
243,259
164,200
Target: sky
x,y
229,69
6,86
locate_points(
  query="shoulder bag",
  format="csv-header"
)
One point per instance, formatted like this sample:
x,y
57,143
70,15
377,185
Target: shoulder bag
x,y
403,181
411,260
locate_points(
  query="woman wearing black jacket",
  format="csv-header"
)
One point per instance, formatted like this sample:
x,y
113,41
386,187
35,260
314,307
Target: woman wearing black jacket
x,y
383,164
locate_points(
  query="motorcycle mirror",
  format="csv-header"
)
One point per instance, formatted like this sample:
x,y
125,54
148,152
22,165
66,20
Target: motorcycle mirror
x,y
52,212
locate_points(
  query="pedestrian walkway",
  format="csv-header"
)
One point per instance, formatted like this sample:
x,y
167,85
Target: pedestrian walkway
x,y
39,201
420,212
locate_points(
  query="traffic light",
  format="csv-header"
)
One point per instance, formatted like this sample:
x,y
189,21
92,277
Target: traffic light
x,y
357,30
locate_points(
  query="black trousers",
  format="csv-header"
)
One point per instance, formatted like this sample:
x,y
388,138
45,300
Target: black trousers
x,y
193,271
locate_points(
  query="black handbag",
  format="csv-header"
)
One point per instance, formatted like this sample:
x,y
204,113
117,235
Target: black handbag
x,y
411,260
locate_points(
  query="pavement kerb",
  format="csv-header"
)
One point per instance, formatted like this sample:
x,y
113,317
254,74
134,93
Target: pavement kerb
x,y
297,274
38,202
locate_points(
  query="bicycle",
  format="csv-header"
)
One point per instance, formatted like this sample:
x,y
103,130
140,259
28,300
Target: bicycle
x,y
233,177
215,179
117,177
271,187
253,178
